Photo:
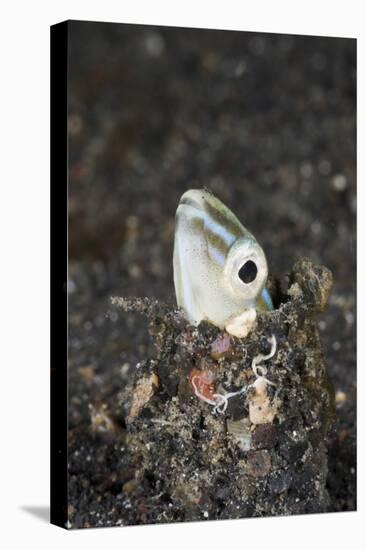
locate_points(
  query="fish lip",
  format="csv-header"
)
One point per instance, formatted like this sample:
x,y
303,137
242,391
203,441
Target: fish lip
x,y
190,199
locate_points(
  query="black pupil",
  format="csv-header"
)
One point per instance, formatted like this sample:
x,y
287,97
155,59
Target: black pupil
x,y
248,272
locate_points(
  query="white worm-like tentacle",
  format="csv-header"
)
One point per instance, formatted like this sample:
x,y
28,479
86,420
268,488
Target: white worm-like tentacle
x,y
259,370
220,401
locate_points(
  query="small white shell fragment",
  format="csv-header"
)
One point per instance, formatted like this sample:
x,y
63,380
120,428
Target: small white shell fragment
x,y
241,325
339,182
240,431
340,398
261,411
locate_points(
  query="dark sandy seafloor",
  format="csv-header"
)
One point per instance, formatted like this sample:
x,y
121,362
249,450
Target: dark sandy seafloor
x,y
267,122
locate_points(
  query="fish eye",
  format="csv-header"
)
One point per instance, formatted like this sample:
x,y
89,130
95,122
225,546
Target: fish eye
x,y
248,272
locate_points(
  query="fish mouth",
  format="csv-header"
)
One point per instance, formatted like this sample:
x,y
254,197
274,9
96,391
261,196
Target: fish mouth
x,y
195,198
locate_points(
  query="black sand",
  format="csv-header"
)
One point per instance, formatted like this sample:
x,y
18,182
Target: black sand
x,y
268,123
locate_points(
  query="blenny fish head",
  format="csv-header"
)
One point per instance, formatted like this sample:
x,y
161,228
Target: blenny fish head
x,y
219,268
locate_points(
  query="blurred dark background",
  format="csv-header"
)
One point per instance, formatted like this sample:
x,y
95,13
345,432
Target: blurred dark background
x,y
268,123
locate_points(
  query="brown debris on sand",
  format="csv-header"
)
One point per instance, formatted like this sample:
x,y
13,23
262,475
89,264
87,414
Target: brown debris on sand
x,y
246,433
